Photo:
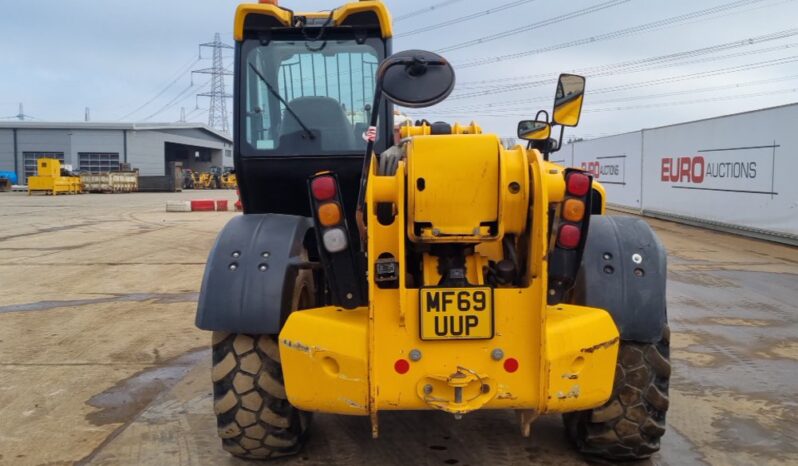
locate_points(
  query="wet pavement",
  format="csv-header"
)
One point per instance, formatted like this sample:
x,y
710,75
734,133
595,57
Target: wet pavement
x,y
101,363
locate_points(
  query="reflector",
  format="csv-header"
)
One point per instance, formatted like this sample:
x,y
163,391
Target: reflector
x,y
573,210
334,240
330,214
401,366
569,237
511,365
578,184
323,188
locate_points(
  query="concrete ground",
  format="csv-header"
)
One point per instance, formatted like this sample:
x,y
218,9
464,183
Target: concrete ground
x,y
101,363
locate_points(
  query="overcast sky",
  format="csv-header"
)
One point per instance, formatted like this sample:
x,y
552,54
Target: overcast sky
x,y
59,57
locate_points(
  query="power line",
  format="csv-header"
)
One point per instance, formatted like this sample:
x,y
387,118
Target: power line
x,y
691,102
196,111
654,82
184,94
462,19
634,66
542,99
638,107
180,74
424,10
654,25
638,64
533,26
705,60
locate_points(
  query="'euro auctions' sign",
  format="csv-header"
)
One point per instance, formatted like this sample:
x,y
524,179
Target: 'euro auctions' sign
x,y
734,169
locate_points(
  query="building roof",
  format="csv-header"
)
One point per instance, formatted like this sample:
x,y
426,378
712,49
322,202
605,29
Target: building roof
x,y
119,126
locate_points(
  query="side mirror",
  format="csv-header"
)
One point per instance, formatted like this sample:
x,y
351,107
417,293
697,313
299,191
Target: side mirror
x,y
534,130
416,78
568,100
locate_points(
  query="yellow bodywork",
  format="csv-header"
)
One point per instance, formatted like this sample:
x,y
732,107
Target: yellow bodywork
x,y
340,14
48,179
475,191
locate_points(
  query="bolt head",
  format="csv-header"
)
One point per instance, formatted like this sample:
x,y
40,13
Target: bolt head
x,y
427,389
415,355
233,266
236,254
637,258
497,354
266,254
263,267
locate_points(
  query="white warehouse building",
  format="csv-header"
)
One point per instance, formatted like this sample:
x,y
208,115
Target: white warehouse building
x,y
101,147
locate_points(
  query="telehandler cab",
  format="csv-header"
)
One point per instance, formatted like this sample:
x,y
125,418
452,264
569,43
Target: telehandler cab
x,y
443,272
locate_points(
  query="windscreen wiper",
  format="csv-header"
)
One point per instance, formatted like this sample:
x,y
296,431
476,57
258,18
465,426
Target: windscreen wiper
x,y
279,97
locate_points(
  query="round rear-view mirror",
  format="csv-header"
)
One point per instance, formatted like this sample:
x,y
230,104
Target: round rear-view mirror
x,y
416,78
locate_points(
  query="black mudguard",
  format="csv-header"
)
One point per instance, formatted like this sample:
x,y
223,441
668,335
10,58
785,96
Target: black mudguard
x,y
250,274
624,270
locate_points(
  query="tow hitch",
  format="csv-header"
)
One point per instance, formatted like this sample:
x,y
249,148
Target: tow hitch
x,y
458,393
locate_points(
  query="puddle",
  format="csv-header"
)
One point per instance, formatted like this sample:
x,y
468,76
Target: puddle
x,y
123,401
161,298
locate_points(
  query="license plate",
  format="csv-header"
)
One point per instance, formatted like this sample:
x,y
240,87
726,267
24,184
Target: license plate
x,y
456,313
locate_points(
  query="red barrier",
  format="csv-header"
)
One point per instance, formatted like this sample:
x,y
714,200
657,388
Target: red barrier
x,y
221,205
239,207
203,205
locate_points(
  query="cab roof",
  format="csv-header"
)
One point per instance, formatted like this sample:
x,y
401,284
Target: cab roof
x,y
370,14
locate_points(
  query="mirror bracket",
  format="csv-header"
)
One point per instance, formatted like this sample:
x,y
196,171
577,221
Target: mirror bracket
x,y
413,85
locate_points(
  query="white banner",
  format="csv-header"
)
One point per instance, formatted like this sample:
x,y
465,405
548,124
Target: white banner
x,y
614,161
738,170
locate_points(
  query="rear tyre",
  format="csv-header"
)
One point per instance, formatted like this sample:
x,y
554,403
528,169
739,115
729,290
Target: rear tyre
x,y
253,415
629,426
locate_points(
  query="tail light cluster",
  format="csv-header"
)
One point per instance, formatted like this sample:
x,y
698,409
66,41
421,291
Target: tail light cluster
x,y
340,263
328,213
577,188
572,225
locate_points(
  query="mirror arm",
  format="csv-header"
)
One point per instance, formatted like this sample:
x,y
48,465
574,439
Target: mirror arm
x,y
537,115
364,173
415,66
559,143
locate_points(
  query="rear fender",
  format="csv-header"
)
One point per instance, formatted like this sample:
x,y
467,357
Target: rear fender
x,y
624,270
251,272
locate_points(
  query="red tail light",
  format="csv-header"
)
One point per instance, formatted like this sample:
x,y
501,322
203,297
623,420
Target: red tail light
x,y
323,188
578,184
569,236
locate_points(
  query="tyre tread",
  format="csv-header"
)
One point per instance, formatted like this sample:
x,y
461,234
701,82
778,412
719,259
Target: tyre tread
x,y
254,420
629,426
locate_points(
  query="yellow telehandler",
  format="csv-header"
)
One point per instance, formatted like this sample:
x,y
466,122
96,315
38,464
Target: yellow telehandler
x,y
434,271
